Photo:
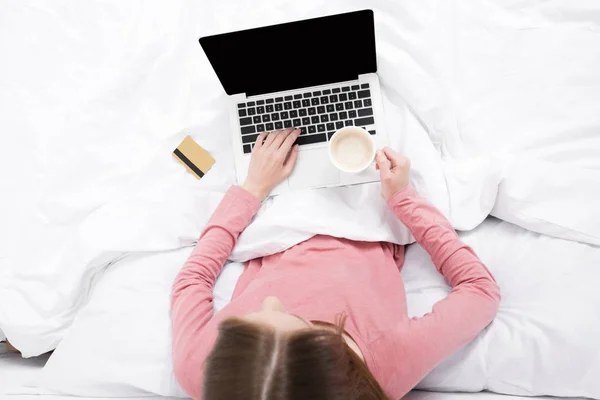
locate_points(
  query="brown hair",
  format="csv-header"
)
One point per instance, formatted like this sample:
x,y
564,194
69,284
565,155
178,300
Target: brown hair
x,y
253,362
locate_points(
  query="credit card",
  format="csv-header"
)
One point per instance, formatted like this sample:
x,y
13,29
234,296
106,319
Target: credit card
x,y
193,157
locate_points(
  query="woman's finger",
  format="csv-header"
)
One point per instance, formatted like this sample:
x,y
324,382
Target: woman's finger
x,y
259,141
270,138
288,167
383,163
281,136
289,140
394,157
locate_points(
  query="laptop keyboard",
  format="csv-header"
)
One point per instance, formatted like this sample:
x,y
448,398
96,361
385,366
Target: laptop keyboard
x,y
318,114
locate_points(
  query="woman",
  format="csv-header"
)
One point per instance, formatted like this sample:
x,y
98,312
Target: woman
x,y
327,318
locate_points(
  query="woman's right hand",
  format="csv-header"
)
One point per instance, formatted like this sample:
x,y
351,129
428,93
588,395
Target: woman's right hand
x,y
394,171
272,161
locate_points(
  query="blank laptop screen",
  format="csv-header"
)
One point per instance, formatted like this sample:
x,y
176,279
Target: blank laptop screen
x,y
294,55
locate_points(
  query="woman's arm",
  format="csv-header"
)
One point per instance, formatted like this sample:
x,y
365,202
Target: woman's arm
x,y
192,298
471,305
456,320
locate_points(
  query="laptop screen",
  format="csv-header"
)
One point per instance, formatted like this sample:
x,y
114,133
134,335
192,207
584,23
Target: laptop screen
x,y
294,55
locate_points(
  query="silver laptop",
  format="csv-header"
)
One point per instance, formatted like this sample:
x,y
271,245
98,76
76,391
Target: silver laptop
x,y
318,74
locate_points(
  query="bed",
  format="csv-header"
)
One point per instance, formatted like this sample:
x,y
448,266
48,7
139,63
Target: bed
x,y
495,102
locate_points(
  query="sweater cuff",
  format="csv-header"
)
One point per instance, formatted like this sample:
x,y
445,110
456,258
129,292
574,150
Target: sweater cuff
x,y
235,211
241,194
405,192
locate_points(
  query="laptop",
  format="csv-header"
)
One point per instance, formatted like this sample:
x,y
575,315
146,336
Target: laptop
x,y
318,74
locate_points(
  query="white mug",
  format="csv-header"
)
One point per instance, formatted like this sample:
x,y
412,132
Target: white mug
x,y
354,149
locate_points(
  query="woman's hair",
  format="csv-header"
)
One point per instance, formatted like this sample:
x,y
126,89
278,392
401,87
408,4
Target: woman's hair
x,y
254,362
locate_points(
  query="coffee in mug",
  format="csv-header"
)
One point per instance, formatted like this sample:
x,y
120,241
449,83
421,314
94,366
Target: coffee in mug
x,y
351,149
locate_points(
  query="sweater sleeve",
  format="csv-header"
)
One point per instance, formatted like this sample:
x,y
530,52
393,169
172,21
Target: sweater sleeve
x,y
192,298
457,319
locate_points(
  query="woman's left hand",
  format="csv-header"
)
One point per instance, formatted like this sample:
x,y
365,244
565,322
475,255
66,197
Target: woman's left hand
x,y
273,159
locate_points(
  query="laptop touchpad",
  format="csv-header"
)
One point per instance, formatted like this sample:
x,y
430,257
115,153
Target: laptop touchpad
x,y
313,169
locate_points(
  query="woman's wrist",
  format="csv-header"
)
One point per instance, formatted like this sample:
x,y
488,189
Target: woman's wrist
x,y
402,193
257,191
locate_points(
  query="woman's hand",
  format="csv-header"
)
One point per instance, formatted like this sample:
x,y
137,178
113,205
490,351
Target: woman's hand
x,y
273,159
394,171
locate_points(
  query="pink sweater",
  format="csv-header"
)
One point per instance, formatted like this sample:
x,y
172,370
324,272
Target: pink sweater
x,y
325,276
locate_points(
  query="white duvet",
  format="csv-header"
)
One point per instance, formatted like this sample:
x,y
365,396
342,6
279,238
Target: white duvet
x,y
497,104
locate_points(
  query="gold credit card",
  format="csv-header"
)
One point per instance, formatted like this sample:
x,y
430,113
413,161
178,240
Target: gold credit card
x,y
193,157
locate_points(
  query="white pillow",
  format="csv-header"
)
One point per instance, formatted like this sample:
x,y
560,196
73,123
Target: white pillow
x,y
120,344
560,200
543,341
